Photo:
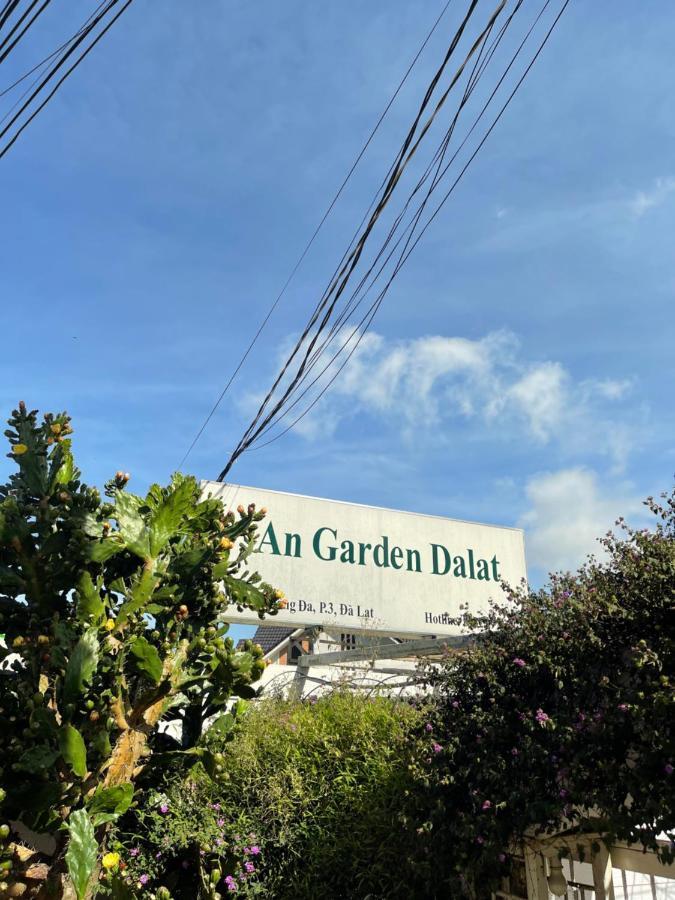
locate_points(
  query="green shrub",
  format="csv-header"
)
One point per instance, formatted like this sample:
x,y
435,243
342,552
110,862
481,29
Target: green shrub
x,y
320,789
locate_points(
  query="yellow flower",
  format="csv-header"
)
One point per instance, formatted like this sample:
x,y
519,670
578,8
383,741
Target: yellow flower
x,y
19,449
109,624
226,544
111,860
279,595
56,428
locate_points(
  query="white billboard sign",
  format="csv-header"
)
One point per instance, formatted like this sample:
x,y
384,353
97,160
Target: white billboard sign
x,y
349,568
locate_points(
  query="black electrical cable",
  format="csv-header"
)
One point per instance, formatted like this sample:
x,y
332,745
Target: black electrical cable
x,y
46,59
408,247
314,235
77,62
7,11
375,307
328,303
329,300
16,25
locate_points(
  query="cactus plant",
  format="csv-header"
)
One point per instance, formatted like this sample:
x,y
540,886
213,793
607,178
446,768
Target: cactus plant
x,y
112,611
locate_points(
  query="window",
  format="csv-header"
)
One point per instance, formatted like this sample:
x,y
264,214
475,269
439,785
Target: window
x,y
347,641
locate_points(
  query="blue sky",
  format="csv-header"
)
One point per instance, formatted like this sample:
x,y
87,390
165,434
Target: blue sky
x,y
521,369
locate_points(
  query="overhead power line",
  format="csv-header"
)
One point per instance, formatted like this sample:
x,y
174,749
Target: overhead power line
x,y
329,322
72,52
318,228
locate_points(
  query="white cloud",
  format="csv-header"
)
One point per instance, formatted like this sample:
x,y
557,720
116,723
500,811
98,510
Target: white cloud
x,y
568,512
542,395
646,200
431,382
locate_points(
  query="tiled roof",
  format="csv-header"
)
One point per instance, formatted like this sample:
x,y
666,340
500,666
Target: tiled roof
x,y
270,636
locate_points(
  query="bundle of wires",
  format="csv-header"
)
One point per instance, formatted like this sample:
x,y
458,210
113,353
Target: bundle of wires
x,y
25,97
356,290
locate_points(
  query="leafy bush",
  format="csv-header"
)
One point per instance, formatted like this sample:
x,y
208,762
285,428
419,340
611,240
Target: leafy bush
x,y
314,799
560,717
110,627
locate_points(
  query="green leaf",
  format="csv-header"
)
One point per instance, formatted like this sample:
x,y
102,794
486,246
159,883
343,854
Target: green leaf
x,y
101,743
108,804
82,851
222,726
244,594
73,750
167,517
62,466
133,528
140,595
81,666
99,551
147,659
89,603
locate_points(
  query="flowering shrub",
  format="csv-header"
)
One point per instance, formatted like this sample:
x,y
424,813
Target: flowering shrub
x,y
560,717
313,804
110,614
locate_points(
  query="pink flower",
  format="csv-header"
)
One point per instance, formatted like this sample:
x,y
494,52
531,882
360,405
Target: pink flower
x,y
134,852
255,850
502,857
486,804
220,822
249,867
436,747
519,662
623,707
514,751
480,840
455,704
668,769
164,808
428,728
144,879
542,717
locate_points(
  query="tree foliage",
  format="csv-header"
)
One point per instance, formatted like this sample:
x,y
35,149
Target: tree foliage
x,y
111,611
558,721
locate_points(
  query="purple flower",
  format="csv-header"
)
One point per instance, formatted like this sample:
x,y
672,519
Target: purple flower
x,y
502,857
215,806
562,793
254,850
455,704
668,769
144,879
164,808
134,852
158,855
436,747
542,717
486,804
249,867
219,842
220,822
514,751
480,839
428,728
519,662
623,707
